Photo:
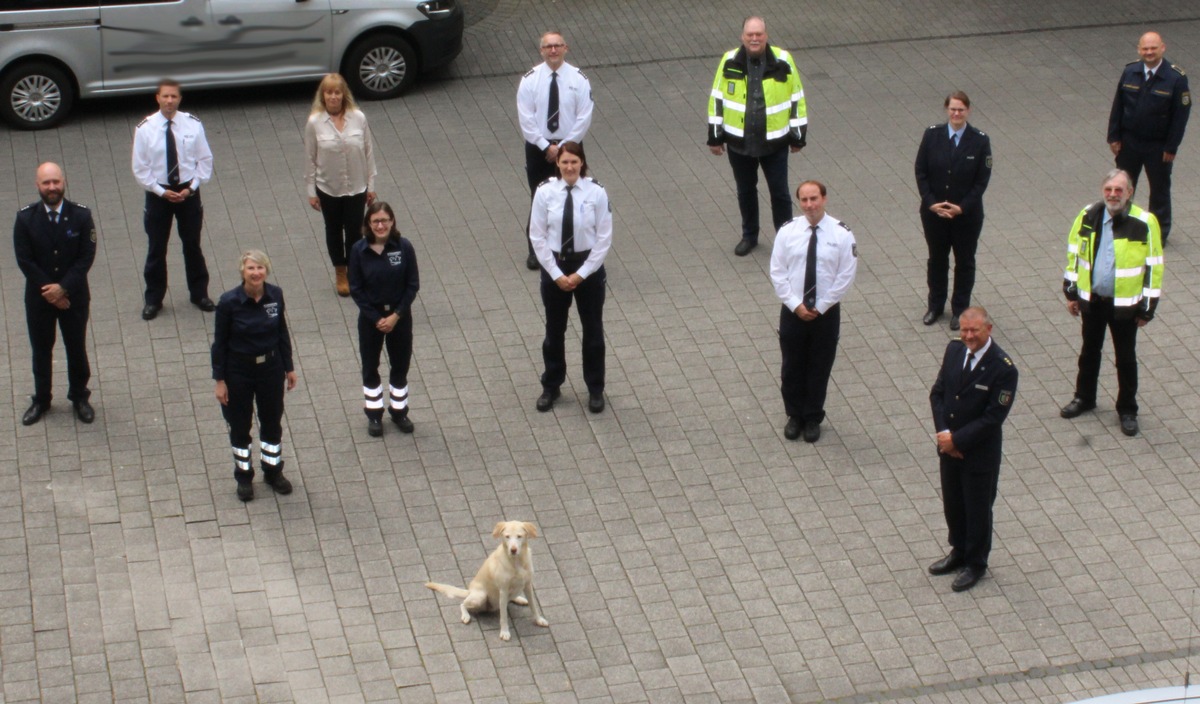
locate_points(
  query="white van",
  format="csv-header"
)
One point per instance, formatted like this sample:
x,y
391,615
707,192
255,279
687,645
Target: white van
x,y
55,51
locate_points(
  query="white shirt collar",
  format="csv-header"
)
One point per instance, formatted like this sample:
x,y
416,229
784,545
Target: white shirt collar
x,y
978,355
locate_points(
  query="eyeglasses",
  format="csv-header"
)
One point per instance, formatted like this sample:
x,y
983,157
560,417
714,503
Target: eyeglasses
x,y
381,222
554,46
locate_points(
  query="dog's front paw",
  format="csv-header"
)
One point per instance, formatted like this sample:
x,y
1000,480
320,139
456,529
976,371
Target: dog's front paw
x,y
505,636
520,601
542,622
466,616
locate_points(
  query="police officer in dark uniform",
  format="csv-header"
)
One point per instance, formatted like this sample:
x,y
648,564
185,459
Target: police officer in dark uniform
x,y
384,282
171,161
251,361
55,243
1145,127
971,398
953,167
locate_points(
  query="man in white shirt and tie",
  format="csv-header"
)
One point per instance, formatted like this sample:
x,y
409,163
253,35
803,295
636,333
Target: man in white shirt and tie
x,y
171,160
554,105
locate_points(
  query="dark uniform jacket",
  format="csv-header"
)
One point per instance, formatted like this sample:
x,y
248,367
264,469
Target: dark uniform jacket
x,y
383,283
245,328
1155,113
60,253
960,175
973,405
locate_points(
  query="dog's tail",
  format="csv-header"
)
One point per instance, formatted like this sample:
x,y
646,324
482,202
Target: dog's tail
x,y
452,592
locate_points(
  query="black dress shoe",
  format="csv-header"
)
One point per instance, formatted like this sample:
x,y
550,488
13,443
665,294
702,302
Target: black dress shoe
x,y
531,262
1129,424
812,431
791,431
596,402
205,304
954,322
403,423
277,481
1076,408
35,413
375,427
946,565
150,312
546,401
931,317
84,412
968,578
743,248
245,491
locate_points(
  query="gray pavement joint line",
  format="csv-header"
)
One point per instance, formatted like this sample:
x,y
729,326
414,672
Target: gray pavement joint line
x,y
871,42
1033,673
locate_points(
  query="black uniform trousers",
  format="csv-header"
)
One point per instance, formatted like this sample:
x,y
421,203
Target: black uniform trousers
x,y
809,349
537,169
343,217
399,348
968,493
189,217
590,297
942,236
43,319
1100,316
745,178
1136,155
249,385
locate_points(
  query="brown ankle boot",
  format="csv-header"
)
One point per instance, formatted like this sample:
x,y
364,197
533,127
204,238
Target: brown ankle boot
x,y
343,284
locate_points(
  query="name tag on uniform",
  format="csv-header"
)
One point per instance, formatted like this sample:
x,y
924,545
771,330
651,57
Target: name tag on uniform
x,y
970,158
395,258
981,387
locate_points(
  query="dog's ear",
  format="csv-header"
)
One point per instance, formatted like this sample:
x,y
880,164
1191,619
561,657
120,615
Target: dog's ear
x,y
530,529
498,530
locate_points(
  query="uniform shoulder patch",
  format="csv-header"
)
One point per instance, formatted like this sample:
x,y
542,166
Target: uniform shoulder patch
x,y
1186,98
529,72
1006,397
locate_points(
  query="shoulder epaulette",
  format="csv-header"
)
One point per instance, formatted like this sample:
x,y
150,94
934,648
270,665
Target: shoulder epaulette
x,y
77,205
1178,69
543,183
1131,63
594,181
789,222
28,207
144,121
529,72
584,75
844,226
193,117
933,127
1008,361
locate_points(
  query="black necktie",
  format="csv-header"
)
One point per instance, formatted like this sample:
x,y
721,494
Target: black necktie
x,y
954,141
568,225
53,216
970,362
552,108
172,158
810,272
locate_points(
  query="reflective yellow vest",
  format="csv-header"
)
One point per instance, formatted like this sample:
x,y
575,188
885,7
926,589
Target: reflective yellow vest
x,y
1137,244
787,113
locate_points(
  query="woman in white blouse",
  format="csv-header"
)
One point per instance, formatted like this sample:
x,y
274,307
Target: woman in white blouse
x,y
341,169
570,228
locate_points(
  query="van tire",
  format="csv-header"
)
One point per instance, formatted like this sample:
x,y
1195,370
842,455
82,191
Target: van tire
x,y
35,96
379,67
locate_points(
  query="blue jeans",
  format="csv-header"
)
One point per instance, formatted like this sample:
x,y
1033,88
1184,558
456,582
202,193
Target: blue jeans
x,y
745,175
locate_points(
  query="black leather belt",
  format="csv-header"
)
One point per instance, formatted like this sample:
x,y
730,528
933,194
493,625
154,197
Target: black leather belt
x,y
574,258
253,359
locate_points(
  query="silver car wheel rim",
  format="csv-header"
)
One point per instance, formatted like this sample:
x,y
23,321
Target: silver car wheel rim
x,y
36,98
382,69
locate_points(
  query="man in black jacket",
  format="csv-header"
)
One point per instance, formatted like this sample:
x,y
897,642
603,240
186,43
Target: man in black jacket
x,y
55,243
972,396
953,167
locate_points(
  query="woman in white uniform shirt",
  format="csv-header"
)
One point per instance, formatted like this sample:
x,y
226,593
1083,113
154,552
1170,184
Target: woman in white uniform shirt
x,y
570,245
341,169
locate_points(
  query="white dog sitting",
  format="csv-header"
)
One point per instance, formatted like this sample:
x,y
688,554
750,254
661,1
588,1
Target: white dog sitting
x,y
505,574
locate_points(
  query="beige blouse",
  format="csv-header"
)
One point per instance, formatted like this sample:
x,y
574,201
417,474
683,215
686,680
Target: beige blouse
x,y
340,163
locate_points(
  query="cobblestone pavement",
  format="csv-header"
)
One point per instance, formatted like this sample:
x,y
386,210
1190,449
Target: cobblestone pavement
x,y
688,552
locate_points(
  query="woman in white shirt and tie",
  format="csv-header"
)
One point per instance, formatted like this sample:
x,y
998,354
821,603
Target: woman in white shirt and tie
x,y
341,169
570,228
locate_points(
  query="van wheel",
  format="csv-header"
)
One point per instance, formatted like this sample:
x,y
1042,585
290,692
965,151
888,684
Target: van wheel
x,y
35,96
380,67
